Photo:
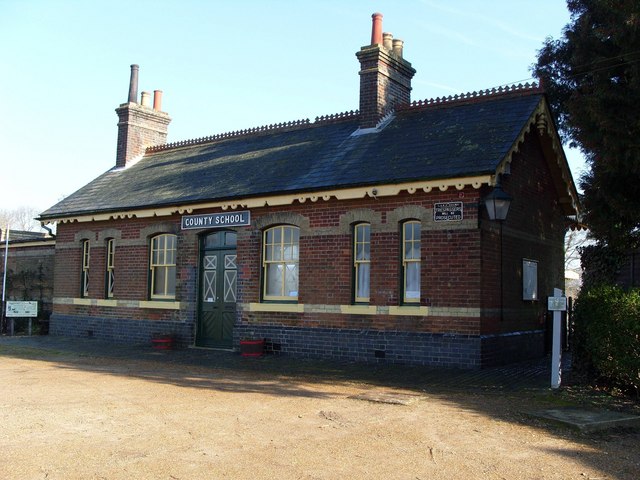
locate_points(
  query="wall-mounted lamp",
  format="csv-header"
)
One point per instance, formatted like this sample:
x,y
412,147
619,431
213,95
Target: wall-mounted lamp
x,y
498,203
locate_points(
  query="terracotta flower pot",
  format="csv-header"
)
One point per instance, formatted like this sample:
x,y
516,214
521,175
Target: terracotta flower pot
x,y
163,342
252,348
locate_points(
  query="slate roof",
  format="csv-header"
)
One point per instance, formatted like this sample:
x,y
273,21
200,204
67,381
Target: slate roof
x,y
22,235
449,140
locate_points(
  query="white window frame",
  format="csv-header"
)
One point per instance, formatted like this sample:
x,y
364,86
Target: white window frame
x,y
285,256
163,257
406,261
361,262
86,262
111,267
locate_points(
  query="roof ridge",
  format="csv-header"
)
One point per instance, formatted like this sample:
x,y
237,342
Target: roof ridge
x,y
337,117
468,97
272,128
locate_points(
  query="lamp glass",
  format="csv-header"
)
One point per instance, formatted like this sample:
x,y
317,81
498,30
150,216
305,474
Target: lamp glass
x,y
498,203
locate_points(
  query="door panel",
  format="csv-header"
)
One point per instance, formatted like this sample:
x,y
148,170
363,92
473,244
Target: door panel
x,y
217,297
230,280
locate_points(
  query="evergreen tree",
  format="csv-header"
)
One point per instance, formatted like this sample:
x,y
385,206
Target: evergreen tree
x,y
592,78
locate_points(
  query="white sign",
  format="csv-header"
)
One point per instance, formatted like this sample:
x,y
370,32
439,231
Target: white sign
x,y
557,304
22,309
448,212
217,220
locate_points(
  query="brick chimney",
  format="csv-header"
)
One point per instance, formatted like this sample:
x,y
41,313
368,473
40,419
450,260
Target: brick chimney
x,y
139,125
385,77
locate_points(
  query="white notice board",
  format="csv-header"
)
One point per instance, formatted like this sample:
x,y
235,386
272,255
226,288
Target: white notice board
x,y
22,309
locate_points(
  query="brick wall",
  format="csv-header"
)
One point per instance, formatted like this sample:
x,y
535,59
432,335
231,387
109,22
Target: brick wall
x,y
132,239
533,230
450,279
325,268
124,329
461,351
451,250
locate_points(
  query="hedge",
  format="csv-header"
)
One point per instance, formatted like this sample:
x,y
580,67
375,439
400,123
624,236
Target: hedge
x,y
607,335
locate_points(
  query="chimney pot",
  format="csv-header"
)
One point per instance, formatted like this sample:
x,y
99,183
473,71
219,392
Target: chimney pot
x,y
146,99
133,84
376,29
139,126
385,77
397,47
387,40
157,100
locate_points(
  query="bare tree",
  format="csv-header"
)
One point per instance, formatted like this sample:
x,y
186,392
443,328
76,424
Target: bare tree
x,y
573,241
21,218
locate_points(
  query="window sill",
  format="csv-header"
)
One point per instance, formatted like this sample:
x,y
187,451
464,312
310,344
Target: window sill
x,y
359,309
100,302
118,303
160,304
107,302
277,307
409,310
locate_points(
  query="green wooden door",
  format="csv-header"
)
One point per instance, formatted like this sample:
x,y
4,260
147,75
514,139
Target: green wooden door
x,y
217,290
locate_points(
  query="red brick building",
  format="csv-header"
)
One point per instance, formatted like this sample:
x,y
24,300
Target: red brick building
x,y
362,235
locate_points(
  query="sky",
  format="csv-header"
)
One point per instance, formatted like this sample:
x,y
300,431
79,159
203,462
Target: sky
x,y
225,66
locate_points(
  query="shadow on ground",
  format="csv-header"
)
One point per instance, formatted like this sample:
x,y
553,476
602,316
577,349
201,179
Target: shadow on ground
x,y
507,394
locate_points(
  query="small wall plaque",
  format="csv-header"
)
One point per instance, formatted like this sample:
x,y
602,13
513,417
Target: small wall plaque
x,y
448,212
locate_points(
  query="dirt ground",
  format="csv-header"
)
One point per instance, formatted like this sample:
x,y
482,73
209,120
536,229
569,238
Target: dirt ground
x,y
66,416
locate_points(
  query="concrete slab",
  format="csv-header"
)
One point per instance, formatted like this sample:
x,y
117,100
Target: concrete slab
x,y
588,420
393,398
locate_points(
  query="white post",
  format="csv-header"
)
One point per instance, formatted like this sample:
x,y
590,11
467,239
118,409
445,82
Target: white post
x,y
6,254
4,277
556,347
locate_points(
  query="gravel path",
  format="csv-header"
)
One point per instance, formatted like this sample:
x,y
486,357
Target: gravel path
x,y
92,412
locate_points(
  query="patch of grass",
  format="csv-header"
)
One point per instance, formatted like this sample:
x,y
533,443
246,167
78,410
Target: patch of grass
x,y
28,352
556,399
594,397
